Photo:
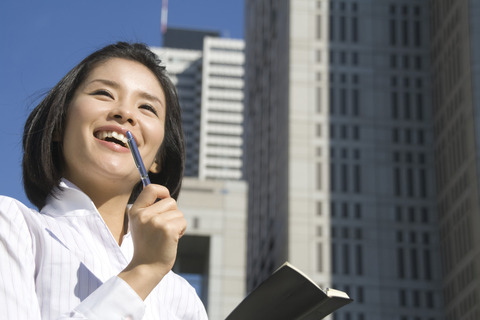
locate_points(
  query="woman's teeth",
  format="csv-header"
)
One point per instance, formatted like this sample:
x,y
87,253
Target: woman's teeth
x,y
112,136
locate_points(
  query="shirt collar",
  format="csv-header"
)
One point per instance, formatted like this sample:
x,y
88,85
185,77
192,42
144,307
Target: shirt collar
x,y
68,200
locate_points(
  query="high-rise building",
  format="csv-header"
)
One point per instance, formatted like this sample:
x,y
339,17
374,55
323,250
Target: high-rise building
x,y
208,74
339,151
185,70
188,39
210,87
221,128
456,101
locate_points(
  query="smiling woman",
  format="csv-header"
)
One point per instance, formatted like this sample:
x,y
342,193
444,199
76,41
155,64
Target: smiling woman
x,y
117,95
110,260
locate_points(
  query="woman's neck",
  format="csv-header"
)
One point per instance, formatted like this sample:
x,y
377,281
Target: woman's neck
x,y
111,203
110,199
113,212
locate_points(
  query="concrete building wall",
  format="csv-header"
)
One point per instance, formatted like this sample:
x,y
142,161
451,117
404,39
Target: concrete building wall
x,y
217,210
360,208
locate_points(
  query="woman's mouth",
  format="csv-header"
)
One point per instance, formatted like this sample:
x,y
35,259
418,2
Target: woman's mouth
x,y
112,136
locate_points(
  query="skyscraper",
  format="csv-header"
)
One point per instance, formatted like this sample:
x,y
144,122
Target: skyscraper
x,y
456,101
339,151
208,73
210,88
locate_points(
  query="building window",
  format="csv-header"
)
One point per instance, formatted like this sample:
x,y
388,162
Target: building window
x,y
346,258
418,63
333,185
417,33
359,259
319,27
429,299
410,183
394,103
416,298
397,180
334,258
331,27
344,178
333,208
319,176
343,32
407,105
395,135
400,263
393,32
414,263
320,257
354,29
355,102
357,176
398,214
420,137
406,62
319,100
318,130
360,295
356,133
403,298
427,265
319,56
355,58
358,211
343,101
319,208
345,215
332,101
405,33
343,131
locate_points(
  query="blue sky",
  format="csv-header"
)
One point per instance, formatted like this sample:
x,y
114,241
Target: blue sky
x,y
42,40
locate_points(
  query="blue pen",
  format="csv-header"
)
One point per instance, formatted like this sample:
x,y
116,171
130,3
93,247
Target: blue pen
x,y
138,159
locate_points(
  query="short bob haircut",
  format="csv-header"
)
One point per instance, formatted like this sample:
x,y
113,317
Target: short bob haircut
x,y
43,160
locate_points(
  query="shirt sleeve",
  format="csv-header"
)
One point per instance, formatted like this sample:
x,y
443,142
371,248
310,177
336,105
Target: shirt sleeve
x,y
114,299
17,264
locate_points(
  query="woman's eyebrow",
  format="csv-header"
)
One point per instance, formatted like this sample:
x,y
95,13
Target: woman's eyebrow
x,y
150,97
106,82
113,84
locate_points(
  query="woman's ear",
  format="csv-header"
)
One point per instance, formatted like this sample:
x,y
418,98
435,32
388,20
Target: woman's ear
x,y
155,167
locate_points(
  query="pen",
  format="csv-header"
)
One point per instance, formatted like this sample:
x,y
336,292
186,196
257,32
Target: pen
x,y
138,159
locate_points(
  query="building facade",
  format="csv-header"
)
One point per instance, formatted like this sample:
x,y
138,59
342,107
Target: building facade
x,y
456,101
208,74
185,70
210,88
339,151
212,253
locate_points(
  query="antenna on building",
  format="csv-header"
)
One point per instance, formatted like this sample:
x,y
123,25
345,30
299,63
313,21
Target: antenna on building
x,y
164,16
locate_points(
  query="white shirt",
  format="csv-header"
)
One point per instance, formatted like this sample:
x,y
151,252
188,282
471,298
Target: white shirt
x,y
62,263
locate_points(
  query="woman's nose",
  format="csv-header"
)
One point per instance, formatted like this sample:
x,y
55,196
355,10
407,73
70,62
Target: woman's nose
x,y
123,114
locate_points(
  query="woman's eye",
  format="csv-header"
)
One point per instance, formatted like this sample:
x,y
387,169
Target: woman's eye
x,y
103,93
149,108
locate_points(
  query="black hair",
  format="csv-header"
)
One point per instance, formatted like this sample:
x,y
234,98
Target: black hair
x,y
43,160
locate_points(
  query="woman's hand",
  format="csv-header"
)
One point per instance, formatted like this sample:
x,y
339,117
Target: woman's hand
x,y
156,227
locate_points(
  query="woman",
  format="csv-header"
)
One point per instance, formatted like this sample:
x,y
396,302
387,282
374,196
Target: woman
x,y
87,253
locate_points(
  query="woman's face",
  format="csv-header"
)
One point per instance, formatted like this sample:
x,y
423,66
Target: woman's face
x,y
118,95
